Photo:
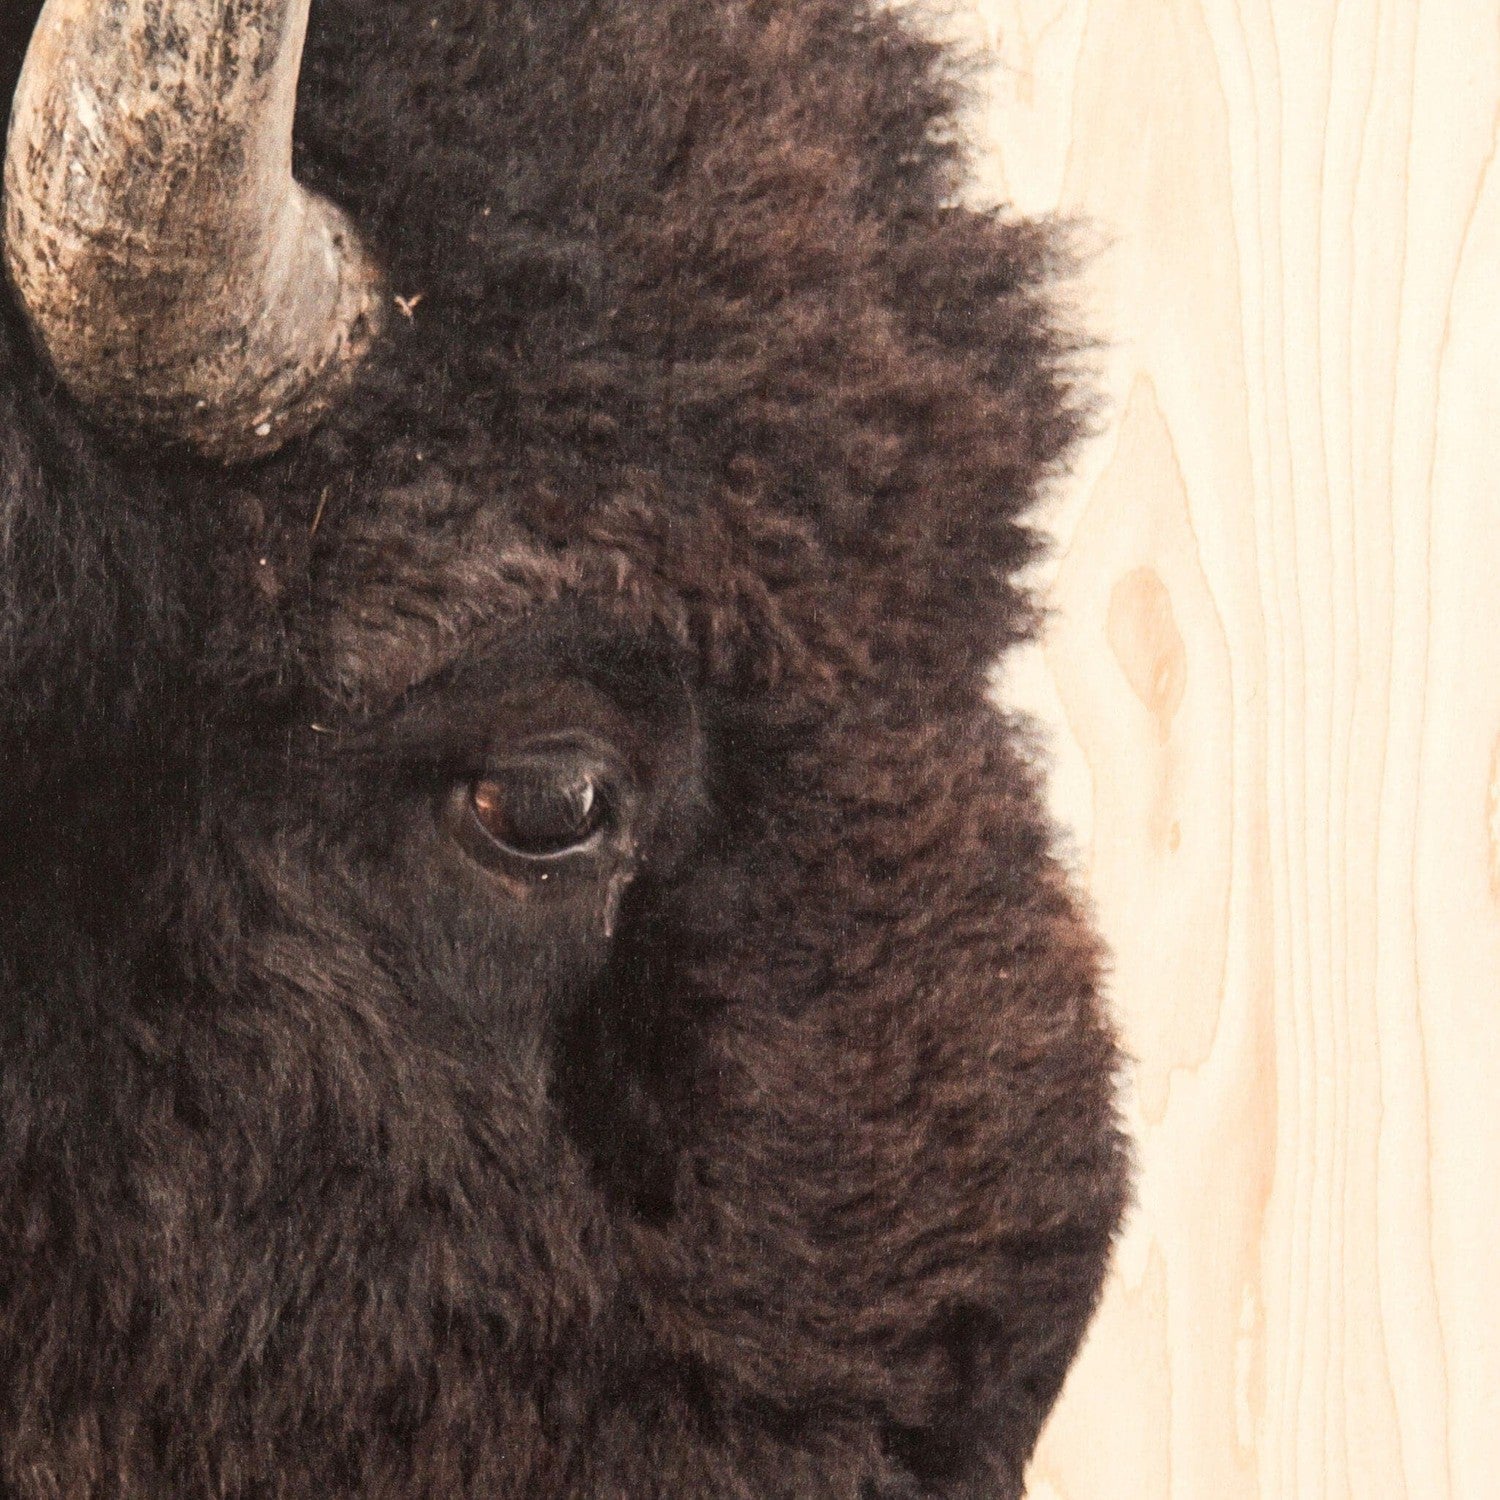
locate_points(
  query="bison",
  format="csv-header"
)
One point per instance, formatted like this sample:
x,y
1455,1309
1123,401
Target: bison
x,y
529,964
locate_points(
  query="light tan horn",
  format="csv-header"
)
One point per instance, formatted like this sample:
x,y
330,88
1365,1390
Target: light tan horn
x,y
182,283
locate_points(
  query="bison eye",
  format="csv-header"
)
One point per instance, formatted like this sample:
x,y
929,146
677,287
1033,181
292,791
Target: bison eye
x,y
540,809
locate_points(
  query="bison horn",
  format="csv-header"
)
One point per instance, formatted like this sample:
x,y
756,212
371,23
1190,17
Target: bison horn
x,y
182,283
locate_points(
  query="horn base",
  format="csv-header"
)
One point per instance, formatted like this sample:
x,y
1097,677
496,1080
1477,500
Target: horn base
x,y
231,391
183,286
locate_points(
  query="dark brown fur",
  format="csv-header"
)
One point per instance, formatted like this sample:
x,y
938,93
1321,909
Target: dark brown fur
x,y
322,1173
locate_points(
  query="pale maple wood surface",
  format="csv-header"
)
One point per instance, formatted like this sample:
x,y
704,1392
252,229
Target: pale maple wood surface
x,y
1272,688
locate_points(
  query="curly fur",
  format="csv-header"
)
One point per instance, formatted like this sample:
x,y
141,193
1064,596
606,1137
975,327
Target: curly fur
x,y
317,1179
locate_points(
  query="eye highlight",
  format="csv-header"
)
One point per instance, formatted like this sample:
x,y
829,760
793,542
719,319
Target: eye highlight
x,y
540,809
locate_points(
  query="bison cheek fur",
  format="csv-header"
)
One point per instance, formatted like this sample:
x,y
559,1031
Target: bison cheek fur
x,y
802,1181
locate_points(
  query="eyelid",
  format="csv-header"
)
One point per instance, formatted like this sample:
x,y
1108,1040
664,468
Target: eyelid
x,y
602,807
522,869
555,857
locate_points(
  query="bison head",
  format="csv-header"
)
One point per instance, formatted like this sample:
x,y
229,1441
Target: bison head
x,y
528,964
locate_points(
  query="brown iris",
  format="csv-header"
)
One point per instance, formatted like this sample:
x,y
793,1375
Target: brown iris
x,y
539,809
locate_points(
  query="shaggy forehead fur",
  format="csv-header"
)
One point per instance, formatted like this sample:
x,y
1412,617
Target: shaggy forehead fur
x,y
696,353
699,306
683,291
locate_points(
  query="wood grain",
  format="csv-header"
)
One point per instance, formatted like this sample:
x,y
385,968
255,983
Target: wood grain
x,y
1272,685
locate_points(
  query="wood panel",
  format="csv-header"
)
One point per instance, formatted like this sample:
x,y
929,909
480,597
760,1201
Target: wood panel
x,y
1272,685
